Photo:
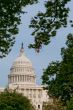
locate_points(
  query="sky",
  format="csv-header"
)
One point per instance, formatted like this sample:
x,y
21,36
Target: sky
x,y
47,54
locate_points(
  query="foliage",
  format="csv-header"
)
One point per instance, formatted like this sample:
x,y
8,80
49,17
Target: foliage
x,y
70,104
55,105
58,77
14,101
10,18
46,24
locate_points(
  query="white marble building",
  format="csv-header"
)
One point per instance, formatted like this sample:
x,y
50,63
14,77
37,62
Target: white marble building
x,y
22,78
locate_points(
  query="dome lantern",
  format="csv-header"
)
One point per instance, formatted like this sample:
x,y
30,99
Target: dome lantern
x,y
22,49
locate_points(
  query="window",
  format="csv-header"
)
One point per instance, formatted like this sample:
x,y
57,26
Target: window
x,y
38,106
22,89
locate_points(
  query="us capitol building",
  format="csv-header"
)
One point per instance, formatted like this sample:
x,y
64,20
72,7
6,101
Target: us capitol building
x,y
22,77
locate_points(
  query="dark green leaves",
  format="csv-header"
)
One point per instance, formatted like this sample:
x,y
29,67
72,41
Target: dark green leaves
x,y
49,22
58,77
10,18
14,101
70,104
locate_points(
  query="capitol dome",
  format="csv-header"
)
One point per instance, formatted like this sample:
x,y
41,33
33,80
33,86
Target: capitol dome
x,y
21,71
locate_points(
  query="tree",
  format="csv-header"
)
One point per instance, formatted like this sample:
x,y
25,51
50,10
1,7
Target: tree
x,y
10,18
14,101
70,104
55,105
58,77
46,24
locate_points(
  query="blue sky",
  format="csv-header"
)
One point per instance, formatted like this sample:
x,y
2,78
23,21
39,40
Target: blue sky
x,y
39,60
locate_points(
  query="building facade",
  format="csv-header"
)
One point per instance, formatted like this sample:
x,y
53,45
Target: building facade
x,y
22,78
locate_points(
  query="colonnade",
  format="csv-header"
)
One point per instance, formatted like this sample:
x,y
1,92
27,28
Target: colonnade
x,y
21,69
21,78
